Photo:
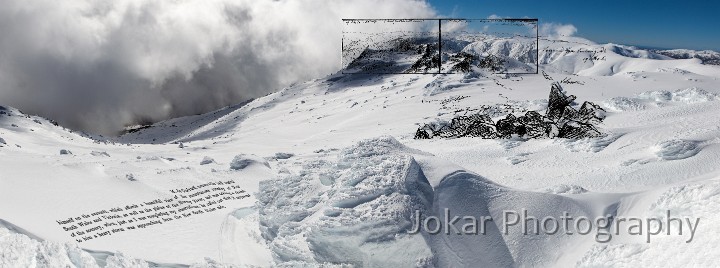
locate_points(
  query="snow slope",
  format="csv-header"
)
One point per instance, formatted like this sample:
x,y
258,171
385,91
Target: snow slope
x,y
707,56
334,173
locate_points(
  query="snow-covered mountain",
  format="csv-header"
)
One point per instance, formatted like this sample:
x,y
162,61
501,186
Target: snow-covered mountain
x,y
707,56
336,177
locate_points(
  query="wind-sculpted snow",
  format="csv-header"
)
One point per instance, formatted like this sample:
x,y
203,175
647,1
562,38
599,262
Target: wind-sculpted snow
x,y
593,144
689,95
358,209
466,194
699,201
659,98
355,209
677,149
20,250
565,189
623,104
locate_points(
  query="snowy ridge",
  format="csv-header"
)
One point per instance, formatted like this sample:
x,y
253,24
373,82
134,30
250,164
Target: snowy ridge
x,y
707,56
582,57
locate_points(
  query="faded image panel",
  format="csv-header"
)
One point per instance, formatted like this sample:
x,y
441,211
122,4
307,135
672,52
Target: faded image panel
x,y
390,46
495,45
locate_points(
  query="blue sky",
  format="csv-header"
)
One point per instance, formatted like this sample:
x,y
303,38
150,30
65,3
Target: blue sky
x,y
692,24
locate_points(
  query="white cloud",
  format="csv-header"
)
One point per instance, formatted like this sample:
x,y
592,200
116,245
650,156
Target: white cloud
x,y
100,64
494,17
557,30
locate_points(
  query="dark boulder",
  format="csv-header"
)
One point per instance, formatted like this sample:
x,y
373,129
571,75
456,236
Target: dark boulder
x,y
577,130
561,120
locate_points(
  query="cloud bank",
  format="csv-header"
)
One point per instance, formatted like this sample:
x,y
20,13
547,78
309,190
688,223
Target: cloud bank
x,y
99,65
557,30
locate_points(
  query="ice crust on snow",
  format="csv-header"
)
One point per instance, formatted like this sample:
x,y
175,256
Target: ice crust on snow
x,y
355,209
